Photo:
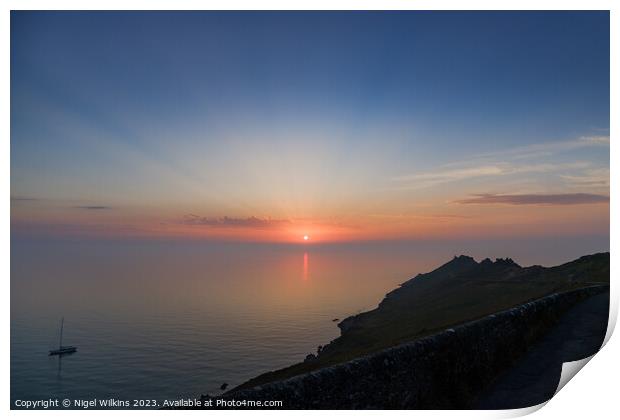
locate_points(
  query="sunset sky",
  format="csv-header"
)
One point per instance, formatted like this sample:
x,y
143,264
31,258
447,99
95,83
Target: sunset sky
x,y
339,126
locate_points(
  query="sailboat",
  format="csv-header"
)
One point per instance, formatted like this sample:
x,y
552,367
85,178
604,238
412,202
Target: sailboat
x,y
62,349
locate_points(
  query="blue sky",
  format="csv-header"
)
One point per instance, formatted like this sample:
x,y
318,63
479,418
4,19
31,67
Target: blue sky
x,y
302,115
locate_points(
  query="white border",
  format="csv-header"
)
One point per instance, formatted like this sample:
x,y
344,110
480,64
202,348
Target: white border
x,y
592,395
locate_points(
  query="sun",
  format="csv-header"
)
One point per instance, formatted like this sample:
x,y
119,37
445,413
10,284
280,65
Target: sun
x,y
306,238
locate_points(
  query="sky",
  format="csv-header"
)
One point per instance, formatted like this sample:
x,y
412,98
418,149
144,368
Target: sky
x,y
338,126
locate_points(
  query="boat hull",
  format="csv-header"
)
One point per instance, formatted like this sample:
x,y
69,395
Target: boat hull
x,y
63,350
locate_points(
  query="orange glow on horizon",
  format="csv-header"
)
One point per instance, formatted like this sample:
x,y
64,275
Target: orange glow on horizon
x,y
434,222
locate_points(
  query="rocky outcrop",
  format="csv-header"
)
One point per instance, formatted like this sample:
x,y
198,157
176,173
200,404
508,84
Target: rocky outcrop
x,y
444,370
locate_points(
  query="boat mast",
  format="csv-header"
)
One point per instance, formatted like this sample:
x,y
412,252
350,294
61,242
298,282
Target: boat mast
x,y
62,324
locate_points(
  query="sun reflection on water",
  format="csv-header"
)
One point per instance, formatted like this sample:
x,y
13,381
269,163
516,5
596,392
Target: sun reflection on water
x,y
305,266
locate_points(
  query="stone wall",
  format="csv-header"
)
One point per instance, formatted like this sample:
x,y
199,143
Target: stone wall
x,y
444,370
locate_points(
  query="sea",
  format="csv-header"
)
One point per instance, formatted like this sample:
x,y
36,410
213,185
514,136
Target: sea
x,y
157,319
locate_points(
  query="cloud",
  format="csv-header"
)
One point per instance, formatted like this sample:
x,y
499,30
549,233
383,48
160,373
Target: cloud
x,y
536,199
249,222
436,177
596,178
539,150
93,207
517,160
21,198
446,175
590,140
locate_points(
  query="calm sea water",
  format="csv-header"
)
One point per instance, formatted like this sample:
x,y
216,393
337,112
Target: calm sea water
x,y
163,320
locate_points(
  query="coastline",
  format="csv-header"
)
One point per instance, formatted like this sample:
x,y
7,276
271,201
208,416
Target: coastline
x,y
445,370
457,292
